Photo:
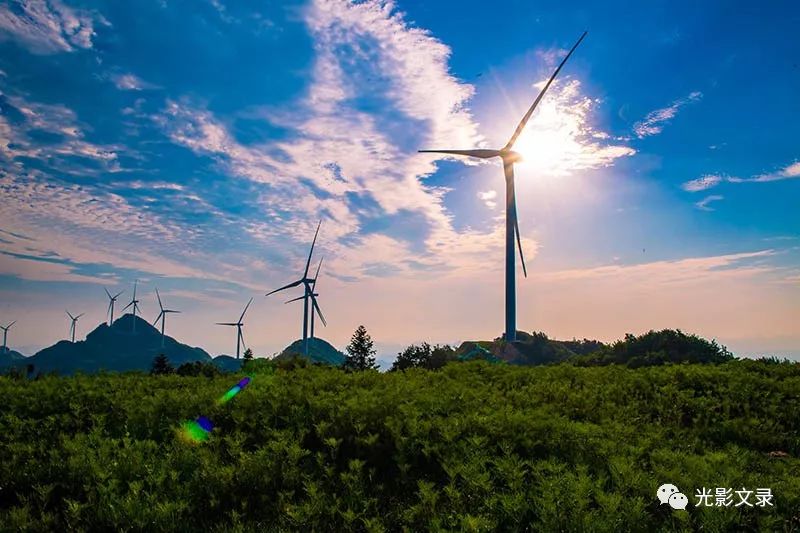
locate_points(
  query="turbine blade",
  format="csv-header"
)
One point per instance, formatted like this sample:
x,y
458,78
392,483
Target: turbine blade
x,y
316,274
159,300
319,311
509,172
289,286
241,338
227,324
127,306
308,262
80,315
118,295
519,242
527,116
295,299
245,309
158,317
479,153
109,294
8,326
72,317
110,303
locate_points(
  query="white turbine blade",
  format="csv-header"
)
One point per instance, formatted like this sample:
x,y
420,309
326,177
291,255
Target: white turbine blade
x,y
479,153
509,171
308,262
527,116
80,315
118,295
109,294
241,338
245,309
319,311
289,286
68,313
8,326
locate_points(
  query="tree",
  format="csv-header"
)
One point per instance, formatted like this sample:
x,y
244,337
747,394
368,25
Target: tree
x,y
248,355
423,356
360,351
161,365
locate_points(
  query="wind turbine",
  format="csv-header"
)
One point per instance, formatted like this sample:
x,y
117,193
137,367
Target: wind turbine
x,y
72,326
135,304
509,157
238,324
5,335
313,294
111,300
162,315
308,293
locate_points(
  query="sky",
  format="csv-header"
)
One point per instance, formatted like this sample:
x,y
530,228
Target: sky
x,y
195,145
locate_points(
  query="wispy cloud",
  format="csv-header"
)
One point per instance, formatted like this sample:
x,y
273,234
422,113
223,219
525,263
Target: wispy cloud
x,y
131,82
654,122
709,181
703,182
703,204
48,26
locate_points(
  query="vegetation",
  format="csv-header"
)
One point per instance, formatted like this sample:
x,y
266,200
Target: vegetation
x,y
360,351
161,365
248,355
424,356
473,446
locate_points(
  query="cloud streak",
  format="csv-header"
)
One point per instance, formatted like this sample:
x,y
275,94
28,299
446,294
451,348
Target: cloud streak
x,y
48,26
654,122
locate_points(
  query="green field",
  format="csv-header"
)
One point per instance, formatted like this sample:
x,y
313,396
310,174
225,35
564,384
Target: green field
x,y
471,447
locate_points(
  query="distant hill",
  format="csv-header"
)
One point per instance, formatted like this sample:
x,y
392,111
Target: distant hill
x,y
320,351
10,358
115,347
227,363
649,349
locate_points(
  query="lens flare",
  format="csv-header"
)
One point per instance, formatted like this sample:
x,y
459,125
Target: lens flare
x,y
199,430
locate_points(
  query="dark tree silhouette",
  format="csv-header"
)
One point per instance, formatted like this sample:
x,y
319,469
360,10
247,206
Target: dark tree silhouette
x,y
360,351
161,365
248,355
423,356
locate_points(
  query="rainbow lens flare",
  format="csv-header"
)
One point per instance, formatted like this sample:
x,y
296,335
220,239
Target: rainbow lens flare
x,y
199,430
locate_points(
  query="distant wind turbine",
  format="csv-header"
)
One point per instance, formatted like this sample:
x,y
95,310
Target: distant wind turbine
x,y
135,304
308,293
238,324
162,315
72,325
111,301
5,335
313,294
509,157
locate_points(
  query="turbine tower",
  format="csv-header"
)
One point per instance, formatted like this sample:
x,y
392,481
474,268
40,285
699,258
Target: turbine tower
x,y
509,157
111,301
135,304
162,315
5,335
313,294
308,293
72,325
238,324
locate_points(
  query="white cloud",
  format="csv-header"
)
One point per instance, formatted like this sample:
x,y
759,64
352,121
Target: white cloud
x,y
703,182
131,82
488,198
48,26
654,122
788,172
703,204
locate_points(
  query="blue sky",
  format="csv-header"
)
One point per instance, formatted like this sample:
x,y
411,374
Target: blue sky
x,y
194,146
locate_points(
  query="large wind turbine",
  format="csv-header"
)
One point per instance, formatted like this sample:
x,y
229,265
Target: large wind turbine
x,y
238,324
162,315
306,281
111,301
5,335
509,157
135,304
312,294
72,325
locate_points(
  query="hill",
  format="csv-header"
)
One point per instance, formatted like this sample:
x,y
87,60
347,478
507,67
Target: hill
x,y
650,349
115,347
10,358
227,363
320,351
